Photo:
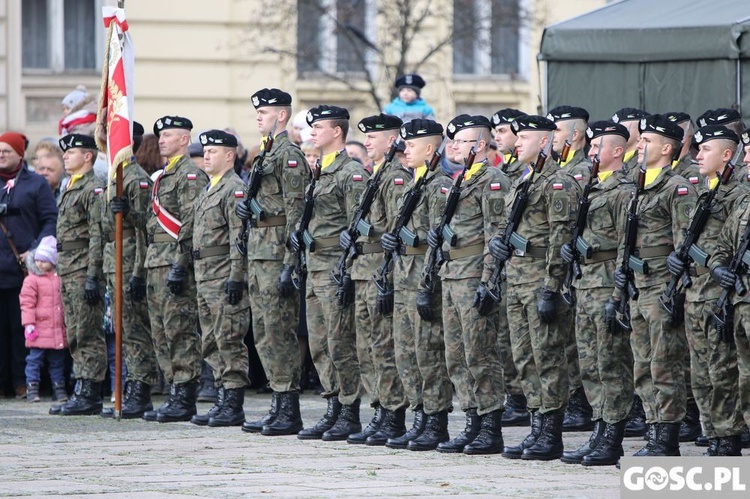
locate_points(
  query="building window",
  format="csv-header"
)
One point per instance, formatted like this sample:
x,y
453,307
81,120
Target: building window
x,y
62,35
332,35
486,37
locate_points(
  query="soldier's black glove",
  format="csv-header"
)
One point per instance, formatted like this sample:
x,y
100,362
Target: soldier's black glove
x,y
234,291
286,287
424,305
621,278
242,210
137,288
546,306
91,291
675,266
498,249
176,279
724,277
483,302
389,242
345,291
610,315
120,205
566,252
433,241
385,301
294,241
345,240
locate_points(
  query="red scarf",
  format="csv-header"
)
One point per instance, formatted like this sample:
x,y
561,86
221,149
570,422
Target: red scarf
x,y
8,175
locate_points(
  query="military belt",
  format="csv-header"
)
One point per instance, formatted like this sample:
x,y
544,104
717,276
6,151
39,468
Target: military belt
x,y
601,256
466,252
73,245
271,221
411,250
698,271
654,251
326,242
125,233
539,252
211,251
161,237
368,248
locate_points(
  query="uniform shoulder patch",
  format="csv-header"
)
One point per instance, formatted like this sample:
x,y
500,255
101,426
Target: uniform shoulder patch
x,y
143,185
191,176
239,194
694,180
444,190
578,177
292,163
357,177
682,191
496,186
98,190
558,186
398,181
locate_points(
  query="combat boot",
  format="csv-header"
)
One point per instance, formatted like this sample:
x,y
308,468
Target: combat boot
x,y
417,428
435,433
690,428
257,426
713,447
667,440
490,437
32,392
207,391
326,422
346,424
729,446
109,412
651,436
87,402
182,406
578,413
138,402
702,441
516,451
202,419
151,415
516,412
549,445
473,423
393,426
372,427
636,426
288,421
609,449
59,393
576,456
231,412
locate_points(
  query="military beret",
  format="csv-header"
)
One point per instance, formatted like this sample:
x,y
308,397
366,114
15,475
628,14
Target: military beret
x,y
172,122
720,116
629,114
138,130
420,128
506,116
463,121
745,137
400,146
195,150
659,124
599,128
77,140
534,123
563,113
677,117
713,132
410,80
380,122
271,97
324,112
218,138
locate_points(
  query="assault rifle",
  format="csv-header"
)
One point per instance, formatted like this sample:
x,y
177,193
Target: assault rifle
x,y
303,235
579,245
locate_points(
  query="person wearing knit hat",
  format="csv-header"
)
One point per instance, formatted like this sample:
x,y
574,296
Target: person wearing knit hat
x,y
409,104
79,112
47,250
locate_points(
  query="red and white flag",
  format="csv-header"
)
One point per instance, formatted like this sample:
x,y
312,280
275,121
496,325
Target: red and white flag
x,y
115,123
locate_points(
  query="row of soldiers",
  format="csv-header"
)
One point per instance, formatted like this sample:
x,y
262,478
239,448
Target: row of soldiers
x,y
419,285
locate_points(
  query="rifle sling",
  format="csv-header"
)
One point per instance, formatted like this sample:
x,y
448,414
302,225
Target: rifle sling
x,y
466,252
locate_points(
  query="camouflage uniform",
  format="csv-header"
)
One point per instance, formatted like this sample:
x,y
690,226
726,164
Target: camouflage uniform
x,y
281,194
174,318
539,349
79,242
630,164
140,358
331,329
605,359
217,260
687,168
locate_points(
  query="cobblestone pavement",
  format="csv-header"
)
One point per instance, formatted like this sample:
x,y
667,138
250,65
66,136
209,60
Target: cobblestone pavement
x,y
55,455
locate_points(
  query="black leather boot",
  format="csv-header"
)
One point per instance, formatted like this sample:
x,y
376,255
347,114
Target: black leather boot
x,y
435,432
257,426
202,419
516,413
420,420
151,415
729,446
288,421
182,406
87,400
636,426
490,438
393,426
701,441
109,412
713,448
690,428
609,449
549,445
231,412
326,422
651,435
139,401
473,423
667,440
372,427
346,424
578,413
576,456
516,451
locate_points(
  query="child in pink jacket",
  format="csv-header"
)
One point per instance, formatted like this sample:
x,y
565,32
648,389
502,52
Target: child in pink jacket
x,y
42,317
